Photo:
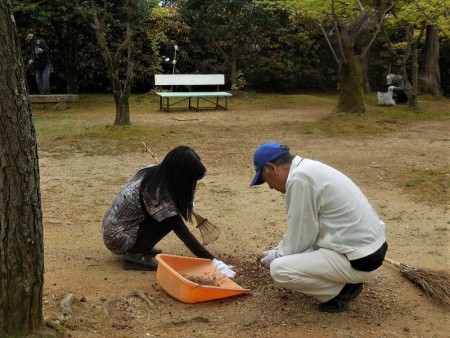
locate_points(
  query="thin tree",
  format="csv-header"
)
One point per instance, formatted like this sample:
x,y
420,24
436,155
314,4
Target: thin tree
x,y
121,62
21,233
410,54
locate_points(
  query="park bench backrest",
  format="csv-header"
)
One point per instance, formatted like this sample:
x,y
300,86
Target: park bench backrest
x,y
189,79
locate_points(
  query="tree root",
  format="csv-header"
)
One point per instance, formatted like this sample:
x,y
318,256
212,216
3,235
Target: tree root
x,y
66,304
141,294
105,302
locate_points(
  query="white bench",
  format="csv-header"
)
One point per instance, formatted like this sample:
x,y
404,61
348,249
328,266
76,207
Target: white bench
x,y
190,80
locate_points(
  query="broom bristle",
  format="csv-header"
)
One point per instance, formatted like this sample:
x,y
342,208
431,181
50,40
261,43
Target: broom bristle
x,y
436,284
208,231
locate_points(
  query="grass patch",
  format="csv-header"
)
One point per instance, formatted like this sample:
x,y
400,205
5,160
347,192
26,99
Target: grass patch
x,y
107,140
82,126
266,101
430,184
349,126
376,121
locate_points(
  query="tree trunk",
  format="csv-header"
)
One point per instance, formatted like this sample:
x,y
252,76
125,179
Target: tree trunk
x,y
21,233
233,69
122,110
364,71
351,92
114,61
351,86
412,98
413,44
70,55
430,77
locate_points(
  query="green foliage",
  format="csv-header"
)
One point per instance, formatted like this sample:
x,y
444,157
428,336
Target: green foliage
x,y
278,44
412,13
317,10
243,35
415,11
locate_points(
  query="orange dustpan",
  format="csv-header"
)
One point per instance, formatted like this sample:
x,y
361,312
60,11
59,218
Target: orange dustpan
x,y
194,280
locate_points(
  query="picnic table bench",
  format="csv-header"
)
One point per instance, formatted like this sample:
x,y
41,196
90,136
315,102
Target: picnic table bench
x,y
190,80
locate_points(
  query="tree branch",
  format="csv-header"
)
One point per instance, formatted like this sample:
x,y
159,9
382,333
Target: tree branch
x,y
222,51
328,41
124,46
375,34
389,42
339,41
361,7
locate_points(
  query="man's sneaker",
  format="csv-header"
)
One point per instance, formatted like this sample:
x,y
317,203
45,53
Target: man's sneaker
x,y
341,302
139,262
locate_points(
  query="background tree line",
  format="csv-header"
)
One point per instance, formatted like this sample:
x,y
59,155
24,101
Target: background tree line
x,y
258,49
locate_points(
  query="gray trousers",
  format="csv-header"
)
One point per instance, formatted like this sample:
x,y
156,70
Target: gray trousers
x,y
43,80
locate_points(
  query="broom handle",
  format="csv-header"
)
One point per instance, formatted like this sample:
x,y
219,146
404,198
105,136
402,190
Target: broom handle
x,y
394,263
151,152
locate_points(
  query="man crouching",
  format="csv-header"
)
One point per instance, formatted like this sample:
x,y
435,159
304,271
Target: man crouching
x,y
335,240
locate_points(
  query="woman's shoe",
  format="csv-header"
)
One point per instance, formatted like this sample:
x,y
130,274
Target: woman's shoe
x,y
155,251
139,262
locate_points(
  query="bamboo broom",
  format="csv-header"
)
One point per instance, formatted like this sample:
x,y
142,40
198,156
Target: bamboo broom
x,y
436,284
208,231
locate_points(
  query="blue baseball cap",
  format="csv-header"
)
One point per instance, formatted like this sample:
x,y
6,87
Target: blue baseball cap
x,y
266,152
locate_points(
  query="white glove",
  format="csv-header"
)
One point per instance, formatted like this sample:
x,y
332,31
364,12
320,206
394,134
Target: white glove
x,y
268,257
174,62
225,269
30,62
39,50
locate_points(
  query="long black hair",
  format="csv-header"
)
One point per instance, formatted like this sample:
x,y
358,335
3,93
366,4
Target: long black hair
x,y
177,175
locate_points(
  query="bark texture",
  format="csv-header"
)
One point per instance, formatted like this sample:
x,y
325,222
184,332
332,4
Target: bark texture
x,y
430,77
21,234
351,88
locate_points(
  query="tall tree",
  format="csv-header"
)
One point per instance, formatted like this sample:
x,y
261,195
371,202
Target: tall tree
x,y
119,56
436,15
415,16
430,76
21,233
343,23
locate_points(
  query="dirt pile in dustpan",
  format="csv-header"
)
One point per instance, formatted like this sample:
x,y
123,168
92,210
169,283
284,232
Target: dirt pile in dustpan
x,y
203,280
193,280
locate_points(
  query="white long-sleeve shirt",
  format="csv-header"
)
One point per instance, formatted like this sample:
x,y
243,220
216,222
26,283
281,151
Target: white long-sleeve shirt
x,y
326,209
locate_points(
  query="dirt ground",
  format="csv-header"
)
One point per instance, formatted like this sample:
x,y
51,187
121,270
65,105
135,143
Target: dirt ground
x,y
76,189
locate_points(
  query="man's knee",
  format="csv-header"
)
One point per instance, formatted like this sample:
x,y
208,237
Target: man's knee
x,y
283,275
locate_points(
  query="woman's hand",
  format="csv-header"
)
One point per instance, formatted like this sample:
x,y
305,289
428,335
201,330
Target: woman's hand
x,y
224,268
